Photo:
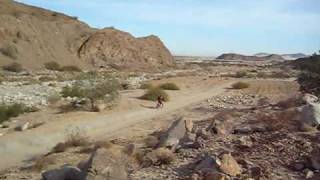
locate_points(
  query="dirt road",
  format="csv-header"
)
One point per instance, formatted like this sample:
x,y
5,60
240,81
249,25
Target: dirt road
x,y
19,147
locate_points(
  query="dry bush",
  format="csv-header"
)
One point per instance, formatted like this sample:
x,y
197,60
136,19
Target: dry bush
x,y
153,94
169,86
291,102
71,69
151,141
280,120
14,110
10,51
240,85
54,66
42,163
103,144
75,139
46,79
164,156
240,74
13,67
146,86
54,98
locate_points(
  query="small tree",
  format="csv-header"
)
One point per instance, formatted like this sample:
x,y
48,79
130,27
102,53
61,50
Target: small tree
x,y
93,90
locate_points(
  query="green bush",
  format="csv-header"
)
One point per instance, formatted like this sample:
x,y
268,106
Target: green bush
x,y
9,111
73,91
107,90
54,66
71,69
152,94
240,85
169,86
10,51
146,86
13,67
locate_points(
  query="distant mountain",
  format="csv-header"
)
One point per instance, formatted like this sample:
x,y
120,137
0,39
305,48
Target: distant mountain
x,y
284,56
233,56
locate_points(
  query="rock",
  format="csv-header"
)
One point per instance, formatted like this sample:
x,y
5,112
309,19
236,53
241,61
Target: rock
x,y
105,164
311,111
23,127
309,174
129,149
208,164
244,142
229,165
298,166
314,158
202,133
255,172
171,138
189,125
218,128
64,173
100,107
215,176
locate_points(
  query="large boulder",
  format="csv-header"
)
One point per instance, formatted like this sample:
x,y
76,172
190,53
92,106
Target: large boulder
x,y
64,173
229,165
310,112
105,164
173,136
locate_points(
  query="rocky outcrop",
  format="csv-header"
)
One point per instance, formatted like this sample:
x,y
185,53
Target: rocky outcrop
x,y
111,47
232,56
311,111
33,36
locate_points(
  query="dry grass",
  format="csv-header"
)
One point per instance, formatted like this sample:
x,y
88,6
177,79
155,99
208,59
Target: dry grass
x,y
169,86
153,94
164,156
72,141
151,141
42,163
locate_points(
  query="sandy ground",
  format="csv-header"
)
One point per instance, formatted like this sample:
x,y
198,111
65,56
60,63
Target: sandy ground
x,y
132,115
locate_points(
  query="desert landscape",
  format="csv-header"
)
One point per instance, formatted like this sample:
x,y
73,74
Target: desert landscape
x,y
82,103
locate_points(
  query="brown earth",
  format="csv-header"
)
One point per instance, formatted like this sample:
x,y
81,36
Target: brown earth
x,y
33,36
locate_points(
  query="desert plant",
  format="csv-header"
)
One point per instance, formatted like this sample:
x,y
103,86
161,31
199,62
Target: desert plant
x,y
54,98
13,67
71,69
240,85
46,78
9,111
152,94
107,90
42,162
146,86
240,74
169,86
73,91
52,65
10,51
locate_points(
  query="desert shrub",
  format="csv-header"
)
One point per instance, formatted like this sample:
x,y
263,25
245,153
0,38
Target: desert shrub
x,y
71,69
10,51
9,111
54,98
151,141
152,94
42,162
240,85
169,86
240,74
162,156
107,90
46,78
54,66
73,91
279,75
262,75
13,67
146,86
76,138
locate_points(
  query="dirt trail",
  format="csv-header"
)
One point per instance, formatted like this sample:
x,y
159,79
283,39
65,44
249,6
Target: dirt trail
x,y
19,147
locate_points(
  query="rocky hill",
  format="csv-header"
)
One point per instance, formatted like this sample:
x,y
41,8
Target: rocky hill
x,y
285,56
33,36
232,56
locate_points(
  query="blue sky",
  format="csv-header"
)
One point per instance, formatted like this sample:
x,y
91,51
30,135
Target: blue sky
x,y
206,27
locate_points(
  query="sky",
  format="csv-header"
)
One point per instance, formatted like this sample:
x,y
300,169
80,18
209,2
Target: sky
x,y
206,27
